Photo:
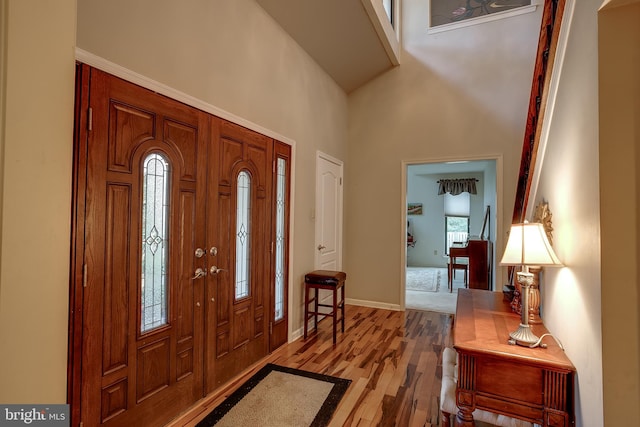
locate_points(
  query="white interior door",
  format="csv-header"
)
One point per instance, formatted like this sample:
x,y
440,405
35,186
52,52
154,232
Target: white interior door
x,y
328,241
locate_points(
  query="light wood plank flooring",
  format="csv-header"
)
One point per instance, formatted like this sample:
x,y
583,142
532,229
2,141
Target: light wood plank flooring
x,y
393,358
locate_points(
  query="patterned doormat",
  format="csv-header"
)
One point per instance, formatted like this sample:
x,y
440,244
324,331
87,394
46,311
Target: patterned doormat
x,y
277,396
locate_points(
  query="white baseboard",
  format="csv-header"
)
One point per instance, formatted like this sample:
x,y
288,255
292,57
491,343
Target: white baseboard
x,y
373,304
362,303
299,333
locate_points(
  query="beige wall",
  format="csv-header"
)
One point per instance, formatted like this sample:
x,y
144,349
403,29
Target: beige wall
x,y
457,94
619,160
38,72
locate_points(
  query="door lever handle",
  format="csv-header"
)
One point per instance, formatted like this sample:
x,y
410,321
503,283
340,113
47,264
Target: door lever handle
x,y
321,247
215,270
200,272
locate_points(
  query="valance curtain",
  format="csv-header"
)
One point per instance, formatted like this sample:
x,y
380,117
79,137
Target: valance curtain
x,y
457,186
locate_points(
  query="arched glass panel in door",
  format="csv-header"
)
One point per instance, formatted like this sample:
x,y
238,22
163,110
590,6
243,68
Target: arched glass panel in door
x,y
243,235
155,242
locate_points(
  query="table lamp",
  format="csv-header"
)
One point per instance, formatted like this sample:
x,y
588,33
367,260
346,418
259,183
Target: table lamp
x,y
527,245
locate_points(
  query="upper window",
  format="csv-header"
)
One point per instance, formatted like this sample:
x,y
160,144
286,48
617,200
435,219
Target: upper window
x,y
388,7
451,14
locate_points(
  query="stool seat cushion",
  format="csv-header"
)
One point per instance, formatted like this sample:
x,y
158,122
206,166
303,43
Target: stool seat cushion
x,y
325,277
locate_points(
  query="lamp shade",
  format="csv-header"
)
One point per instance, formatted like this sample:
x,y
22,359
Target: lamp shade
x,y
528,245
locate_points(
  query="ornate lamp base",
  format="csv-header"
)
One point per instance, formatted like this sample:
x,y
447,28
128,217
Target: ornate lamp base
x,y
523,336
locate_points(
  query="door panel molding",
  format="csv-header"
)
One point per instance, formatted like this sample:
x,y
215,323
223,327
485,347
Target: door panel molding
x,y
148,363
240,324
329,212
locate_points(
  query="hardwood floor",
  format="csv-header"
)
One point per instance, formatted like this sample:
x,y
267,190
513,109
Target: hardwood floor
x,y
393,358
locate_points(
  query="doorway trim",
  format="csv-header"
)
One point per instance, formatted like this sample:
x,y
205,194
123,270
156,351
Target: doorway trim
x,y
403,211
114,69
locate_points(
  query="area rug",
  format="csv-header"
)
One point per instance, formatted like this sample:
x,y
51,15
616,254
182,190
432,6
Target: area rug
x,y
442,301
277,396
423,279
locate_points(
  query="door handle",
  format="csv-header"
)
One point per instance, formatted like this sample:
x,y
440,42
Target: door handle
x,y
321,247
200,272
215,270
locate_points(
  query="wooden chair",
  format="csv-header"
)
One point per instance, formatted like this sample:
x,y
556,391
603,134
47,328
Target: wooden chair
x,y
452,266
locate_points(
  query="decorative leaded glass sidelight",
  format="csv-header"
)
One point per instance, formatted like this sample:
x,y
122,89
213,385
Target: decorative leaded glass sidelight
x,y
281,186
243,235
155,242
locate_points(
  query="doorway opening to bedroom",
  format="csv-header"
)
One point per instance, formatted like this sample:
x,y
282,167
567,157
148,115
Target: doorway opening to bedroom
x,y
449,204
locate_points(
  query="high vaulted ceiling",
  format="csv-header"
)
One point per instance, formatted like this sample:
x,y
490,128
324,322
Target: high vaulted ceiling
x,y
352,40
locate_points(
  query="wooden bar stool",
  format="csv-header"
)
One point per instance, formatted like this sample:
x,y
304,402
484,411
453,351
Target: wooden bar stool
x,y
332,281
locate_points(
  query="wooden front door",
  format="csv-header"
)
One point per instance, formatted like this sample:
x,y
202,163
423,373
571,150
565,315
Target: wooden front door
x,y
241,234
180,253
279,324
142,356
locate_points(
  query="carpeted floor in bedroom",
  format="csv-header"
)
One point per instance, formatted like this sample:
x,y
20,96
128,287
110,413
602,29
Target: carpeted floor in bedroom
x,y
426,289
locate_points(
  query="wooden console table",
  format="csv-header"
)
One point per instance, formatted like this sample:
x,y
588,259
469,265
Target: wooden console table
x,y
533,384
